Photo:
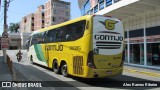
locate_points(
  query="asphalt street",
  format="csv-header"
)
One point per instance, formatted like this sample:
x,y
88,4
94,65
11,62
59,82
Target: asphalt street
x,y
25,71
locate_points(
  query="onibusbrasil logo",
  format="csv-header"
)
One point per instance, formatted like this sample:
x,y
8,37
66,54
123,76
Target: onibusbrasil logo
x,y
21,84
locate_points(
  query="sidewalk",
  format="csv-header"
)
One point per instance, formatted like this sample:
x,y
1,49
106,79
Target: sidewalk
x,y
142,70
5,74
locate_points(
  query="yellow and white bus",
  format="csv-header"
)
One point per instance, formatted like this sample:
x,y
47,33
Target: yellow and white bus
x,y
90,47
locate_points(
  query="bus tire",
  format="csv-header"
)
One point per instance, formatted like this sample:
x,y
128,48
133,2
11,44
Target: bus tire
x,y
64,70
55,67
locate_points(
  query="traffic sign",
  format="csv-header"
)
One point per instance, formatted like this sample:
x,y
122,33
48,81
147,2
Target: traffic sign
x,y
5,43
4,46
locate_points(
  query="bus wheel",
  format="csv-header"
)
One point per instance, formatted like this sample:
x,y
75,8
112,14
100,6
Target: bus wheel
x,y
55,67
64,70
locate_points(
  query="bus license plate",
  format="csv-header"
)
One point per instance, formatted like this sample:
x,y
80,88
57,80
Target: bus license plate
x,y
109,72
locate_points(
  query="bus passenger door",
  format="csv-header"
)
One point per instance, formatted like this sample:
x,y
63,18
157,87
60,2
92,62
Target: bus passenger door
x,y
49,39
46,47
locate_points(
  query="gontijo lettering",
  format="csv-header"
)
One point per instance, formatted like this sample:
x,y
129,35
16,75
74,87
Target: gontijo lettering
x,y
54,47
108,37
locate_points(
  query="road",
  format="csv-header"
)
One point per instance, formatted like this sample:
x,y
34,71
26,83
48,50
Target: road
x,y
25,71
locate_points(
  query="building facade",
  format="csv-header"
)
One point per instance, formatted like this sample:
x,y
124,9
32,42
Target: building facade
x,y
39,18
27,23
56,12
141,19
51,13
14,41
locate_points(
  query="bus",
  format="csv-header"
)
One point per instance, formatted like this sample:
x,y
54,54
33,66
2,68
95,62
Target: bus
x,y
90,46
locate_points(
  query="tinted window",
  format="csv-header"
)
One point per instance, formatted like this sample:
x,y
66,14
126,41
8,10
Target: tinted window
x,y
50,37
34,39
69,32
75,31
136,33
153,31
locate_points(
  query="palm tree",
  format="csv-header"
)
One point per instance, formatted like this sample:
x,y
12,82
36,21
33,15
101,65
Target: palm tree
x,y
13,28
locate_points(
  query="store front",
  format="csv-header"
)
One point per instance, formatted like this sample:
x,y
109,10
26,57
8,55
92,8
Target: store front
x,y
137,55
141,19
153,54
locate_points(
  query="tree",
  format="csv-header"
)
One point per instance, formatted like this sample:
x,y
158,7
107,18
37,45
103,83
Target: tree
x,y
13,28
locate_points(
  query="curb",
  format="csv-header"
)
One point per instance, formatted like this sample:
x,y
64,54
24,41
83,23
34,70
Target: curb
x,y
9,62
143,72
10,65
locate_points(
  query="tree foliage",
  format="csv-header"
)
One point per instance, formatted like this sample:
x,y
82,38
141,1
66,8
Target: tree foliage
x,y
14,27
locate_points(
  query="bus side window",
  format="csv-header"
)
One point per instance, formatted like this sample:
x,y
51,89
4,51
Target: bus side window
x,y
53,36
68,36
62,34
34,40
45,37
75,31
50,36
79,28
39,38
28,42
69,32
56,35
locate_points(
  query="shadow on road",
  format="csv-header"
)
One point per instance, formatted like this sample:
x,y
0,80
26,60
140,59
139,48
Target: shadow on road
x,y
30,74
116,82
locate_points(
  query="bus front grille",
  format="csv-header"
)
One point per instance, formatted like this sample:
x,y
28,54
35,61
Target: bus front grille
x,y
77,65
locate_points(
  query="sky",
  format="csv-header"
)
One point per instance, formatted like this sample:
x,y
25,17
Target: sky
x,y
19,8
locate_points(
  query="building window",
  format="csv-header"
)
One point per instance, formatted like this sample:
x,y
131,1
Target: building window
x,y
153,54
137,54
96,9
126,54
67,13
53,19
82,10
25,20
87,6
136,33
32,18
55,11
67,7
108,2
42,14
153,31
101,4
91,11
42,21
